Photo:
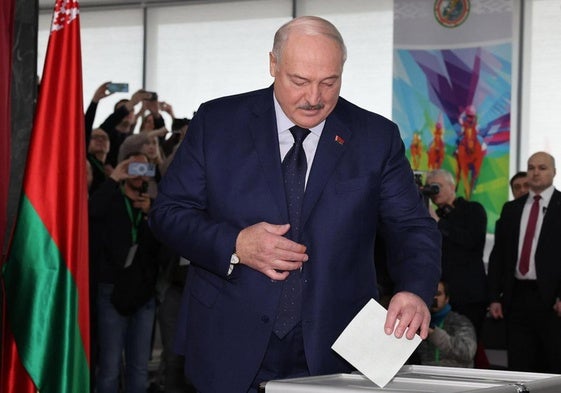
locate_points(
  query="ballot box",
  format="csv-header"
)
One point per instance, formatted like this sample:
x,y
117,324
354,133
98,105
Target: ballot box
x,y
426,379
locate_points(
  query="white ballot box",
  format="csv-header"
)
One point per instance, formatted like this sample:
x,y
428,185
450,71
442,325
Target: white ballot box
x,y
426,379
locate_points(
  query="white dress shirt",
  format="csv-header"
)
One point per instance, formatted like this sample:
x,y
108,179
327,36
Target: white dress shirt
x,y
286,140
544,202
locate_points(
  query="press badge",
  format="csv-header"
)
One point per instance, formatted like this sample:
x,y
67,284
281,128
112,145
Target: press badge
x,y
131,254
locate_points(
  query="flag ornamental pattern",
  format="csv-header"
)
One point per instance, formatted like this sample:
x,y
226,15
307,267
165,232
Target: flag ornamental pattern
x,y
45,274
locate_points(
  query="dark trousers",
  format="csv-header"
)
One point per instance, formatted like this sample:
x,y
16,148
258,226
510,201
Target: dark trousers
x,y
475,312
175,380
533,331
283,359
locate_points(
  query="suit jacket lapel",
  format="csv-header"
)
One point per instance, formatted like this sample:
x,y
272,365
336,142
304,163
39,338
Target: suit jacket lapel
x,y
263,129
330,148
511,229
553,209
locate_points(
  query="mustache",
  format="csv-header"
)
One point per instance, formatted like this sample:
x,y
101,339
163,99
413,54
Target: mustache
x,y
309,107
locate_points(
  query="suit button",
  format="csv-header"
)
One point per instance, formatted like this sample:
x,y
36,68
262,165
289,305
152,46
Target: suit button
x,y
265,319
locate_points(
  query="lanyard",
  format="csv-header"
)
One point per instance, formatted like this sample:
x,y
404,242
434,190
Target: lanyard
x,y
97,163
134,221
437,350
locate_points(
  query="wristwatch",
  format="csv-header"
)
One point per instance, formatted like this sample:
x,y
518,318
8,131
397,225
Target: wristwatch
x,y
234,260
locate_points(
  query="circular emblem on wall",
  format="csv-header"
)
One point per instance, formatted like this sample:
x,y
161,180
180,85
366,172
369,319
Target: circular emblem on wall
x,y
451,13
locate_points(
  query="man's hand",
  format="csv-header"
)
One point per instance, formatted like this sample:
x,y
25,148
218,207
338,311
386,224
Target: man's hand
x,y
264,248
412,313
101,92
153,107
142,202
165,107
496,310
121,171
137,97
557,307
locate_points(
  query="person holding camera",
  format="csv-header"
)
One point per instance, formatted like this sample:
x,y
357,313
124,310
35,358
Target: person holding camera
x,y
463,225
118,230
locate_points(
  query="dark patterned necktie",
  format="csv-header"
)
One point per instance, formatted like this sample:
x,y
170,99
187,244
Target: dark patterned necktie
x,y
294,167
524,265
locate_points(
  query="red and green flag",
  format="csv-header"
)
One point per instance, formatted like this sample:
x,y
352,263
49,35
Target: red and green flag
x,y
45,276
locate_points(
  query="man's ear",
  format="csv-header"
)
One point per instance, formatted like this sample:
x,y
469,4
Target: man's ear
x,y
272,64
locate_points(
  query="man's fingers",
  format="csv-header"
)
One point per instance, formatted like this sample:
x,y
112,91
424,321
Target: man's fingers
x,y
390,321
407,314
404,321
277,275
425,327
281,265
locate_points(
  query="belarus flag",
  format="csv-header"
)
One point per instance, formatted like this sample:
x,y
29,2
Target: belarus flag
x,y
46,325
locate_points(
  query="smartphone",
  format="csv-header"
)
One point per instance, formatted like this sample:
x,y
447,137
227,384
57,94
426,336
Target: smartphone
x,y
118,87
142,169
153,96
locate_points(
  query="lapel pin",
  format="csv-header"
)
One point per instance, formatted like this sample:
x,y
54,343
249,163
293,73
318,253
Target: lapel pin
x,y
339,140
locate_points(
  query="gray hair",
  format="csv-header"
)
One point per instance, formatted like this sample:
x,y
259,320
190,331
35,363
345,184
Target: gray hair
x,y
441,172
132,144
309,25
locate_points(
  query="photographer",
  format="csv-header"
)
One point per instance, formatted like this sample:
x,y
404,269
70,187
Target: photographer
x,y
118,234
463,225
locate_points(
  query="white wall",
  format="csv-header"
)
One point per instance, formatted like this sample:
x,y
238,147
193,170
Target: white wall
x,y
541,84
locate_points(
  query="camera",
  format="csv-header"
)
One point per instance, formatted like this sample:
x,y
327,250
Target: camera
x,y
143,188
153,96
177,124
427,189
430,189
142,169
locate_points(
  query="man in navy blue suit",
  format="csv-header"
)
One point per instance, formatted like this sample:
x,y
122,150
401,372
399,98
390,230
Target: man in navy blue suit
x,y
223,205
525,273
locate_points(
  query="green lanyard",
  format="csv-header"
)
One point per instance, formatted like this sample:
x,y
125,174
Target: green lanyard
x,y
134,221
437,350
98,165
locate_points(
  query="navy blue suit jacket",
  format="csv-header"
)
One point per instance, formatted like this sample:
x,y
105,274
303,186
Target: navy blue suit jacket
x,y
227,175
503,258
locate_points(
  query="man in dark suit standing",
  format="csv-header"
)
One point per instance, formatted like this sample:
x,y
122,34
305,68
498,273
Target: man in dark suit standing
x,y
463,225
279,270
525,272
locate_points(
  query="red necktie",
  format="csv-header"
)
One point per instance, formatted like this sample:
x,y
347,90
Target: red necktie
x,y
524,265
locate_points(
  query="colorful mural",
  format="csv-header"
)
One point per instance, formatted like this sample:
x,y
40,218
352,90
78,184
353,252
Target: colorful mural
x,y
456,103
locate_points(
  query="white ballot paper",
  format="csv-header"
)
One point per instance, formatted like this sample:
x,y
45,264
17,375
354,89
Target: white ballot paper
x,y
366,346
